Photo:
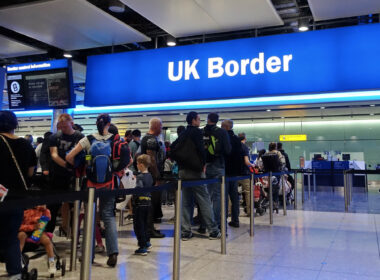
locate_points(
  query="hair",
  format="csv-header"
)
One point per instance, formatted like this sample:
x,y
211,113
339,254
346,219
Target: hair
x,y
153,122
64,118
242,136
191,116
180,129
113,129
40,140
8,121
144,160
29,138
136,133
78,127
128,133
213,117
272,146
47,134
229,123
102,121
279,145
261,152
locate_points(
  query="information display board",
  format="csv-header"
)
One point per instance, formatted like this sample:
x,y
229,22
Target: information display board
x,y
40,85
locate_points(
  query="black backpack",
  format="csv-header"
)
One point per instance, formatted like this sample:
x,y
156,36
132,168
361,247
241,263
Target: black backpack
x,y
212,144
185,153
121,156
271,162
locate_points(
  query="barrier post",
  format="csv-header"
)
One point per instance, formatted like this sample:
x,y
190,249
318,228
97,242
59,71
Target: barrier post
x,y
283,195
252,205
351,185
308,184
85,269
295,190
303,187
314,182
270,199
177,232
345,191
75,227
223,215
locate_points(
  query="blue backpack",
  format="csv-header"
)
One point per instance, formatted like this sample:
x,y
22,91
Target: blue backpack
x,y
99,170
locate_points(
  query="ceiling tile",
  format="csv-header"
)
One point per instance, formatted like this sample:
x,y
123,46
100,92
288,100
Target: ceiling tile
x,y
11,48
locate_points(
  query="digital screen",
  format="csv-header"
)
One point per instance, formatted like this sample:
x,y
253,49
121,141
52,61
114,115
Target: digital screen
x,y
40,86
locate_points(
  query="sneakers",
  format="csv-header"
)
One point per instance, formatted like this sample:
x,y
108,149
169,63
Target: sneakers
x,y
156,234
233,224
52,267
186,236
15,277
215,235
99,249
141,251
112,260
201,230
148,246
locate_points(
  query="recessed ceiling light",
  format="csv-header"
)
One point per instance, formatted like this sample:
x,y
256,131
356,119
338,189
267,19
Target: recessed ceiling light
x,y
322,108
303,24
67,55
372,105
116,6
171,41
268,110
372,114
282,117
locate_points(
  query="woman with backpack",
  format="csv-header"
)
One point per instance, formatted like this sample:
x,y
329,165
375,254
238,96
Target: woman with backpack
x,y
99,147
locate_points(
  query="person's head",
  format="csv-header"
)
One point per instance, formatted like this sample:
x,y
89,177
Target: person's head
x,y
136,134
155,126
279,146
193,119
227,124
261,152
242,137
29,138
212,118
180,129
47,134
65,124
113,129
143,162
78,127
272,146
128,135
8,122
103,123
40,140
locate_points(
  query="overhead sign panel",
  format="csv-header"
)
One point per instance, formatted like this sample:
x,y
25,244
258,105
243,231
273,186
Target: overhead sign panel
x,y
296,137
342,59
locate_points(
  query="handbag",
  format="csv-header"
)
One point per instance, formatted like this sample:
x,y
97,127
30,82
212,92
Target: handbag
x,y
15,161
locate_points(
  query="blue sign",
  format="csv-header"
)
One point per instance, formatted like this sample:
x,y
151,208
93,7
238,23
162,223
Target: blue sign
x,y
342,59
37,66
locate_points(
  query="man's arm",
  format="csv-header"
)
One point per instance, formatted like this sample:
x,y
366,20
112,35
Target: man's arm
x,y
226,142
56,158
153,167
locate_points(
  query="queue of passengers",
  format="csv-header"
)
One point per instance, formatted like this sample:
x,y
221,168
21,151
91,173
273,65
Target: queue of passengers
x,y
211,152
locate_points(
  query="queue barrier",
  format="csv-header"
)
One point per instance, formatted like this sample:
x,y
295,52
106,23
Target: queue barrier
x,y
90,195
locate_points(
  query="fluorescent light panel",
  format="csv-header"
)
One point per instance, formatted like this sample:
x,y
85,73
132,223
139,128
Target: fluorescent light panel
x,y
225,103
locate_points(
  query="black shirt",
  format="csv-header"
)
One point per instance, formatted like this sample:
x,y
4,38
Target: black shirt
x,y
245,153
64,143
143,180
9,175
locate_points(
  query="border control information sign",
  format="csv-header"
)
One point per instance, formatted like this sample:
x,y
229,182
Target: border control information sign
x,y
341,59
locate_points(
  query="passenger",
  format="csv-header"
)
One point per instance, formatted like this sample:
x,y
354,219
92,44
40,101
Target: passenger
x,y
180,129
13,177
234,163
246,170
287,163
29,138
259,161
78,127
61,173
113,129
107,203
45,159
40,140
217,145
141,205
29,224
134,147
151,146
128,136
193,167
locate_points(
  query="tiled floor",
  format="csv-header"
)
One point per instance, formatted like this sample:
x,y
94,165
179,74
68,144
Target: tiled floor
x,y
302,245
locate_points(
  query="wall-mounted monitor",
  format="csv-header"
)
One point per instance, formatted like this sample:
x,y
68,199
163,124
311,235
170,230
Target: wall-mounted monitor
x,y
346,157
40,85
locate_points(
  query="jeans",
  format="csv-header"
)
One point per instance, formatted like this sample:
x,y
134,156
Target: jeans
x,y
214,190
140,224
201,196
9,243
106,207
232,192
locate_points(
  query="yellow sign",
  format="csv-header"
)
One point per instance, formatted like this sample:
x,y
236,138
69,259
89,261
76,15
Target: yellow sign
x,y
298,137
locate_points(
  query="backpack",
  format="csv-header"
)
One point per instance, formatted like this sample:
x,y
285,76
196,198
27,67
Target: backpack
x,y
186,155
271,162
99,170
212,144
235,160
121,155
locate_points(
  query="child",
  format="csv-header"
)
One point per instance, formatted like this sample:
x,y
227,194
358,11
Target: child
x,y
141,205
31,223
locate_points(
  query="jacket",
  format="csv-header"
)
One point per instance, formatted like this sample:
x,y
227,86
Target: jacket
x,y
225,145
